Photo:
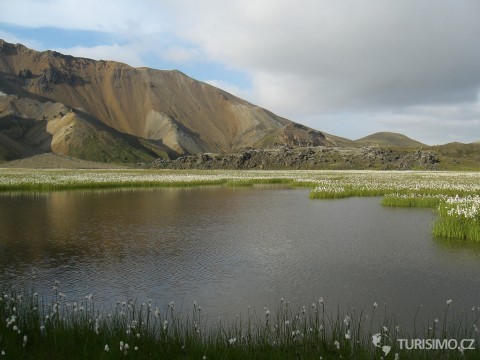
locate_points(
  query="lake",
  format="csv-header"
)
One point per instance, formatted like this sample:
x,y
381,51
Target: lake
x,y
230,248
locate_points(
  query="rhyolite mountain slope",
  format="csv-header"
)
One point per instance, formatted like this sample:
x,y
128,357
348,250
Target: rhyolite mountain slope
x,y
81,107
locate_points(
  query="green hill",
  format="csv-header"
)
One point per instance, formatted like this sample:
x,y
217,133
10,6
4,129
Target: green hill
x,y
388,139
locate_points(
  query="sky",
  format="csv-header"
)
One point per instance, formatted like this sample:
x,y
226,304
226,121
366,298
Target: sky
x,y
346,67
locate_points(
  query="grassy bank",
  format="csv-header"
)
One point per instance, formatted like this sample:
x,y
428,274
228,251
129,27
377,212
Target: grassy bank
x,y
324,183
413,200
54,180
34,328
459,218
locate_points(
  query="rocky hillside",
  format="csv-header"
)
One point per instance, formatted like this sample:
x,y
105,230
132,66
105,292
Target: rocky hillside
x,y
320,157
109,111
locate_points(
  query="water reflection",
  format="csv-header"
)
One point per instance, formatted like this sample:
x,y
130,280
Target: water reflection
x,y
230,248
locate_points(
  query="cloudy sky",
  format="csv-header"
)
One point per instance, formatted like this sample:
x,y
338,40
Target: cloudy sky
x,y
346,67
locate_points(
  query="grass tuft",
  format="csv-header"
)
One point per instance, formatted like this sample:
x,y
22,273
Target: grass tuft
x,y
32,327
412,200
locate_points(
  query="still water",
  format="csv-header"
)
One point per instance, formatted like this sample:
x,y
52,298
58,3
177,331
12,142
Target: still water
x,y
230,248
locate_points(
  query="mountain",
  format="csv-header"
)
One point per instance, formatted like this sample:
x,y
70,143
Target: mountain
x,y
459,150
29,127
109,111
388,139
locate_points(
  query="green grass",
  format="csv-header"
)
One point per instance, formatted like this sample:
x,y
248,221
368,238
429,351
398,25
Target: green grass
x,y
34,328
453,228
53,180
459,218
412,200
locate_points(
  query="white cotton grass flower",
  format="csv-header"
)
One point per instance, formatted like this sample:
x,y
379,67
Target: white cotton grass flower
x,y
449,301
25,339
337,344
232,341
106,348
463,207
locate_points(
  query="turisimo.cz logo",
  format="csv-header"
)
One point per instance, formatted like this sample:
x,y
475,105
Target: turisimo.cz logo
x,y
381,341
436,344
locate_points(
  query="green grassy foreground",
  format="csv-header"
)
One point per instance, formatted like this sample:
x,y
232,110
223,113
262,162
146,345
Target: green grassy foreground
x,y
34,328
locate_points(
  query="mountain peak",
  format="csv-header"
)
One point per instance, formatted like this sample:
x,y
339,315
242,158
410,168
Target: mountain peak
x,y
166,111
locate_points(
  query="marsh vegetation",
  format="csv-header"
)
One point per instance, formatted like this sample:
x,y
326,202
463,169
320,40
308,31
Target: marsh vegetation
x,y
32,327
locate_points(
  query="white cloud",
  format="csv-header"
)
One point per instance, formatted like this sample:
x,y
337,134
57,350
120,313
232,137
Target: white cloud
x,y
119,17
180,54
366,64
351,61
354,53
429,124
